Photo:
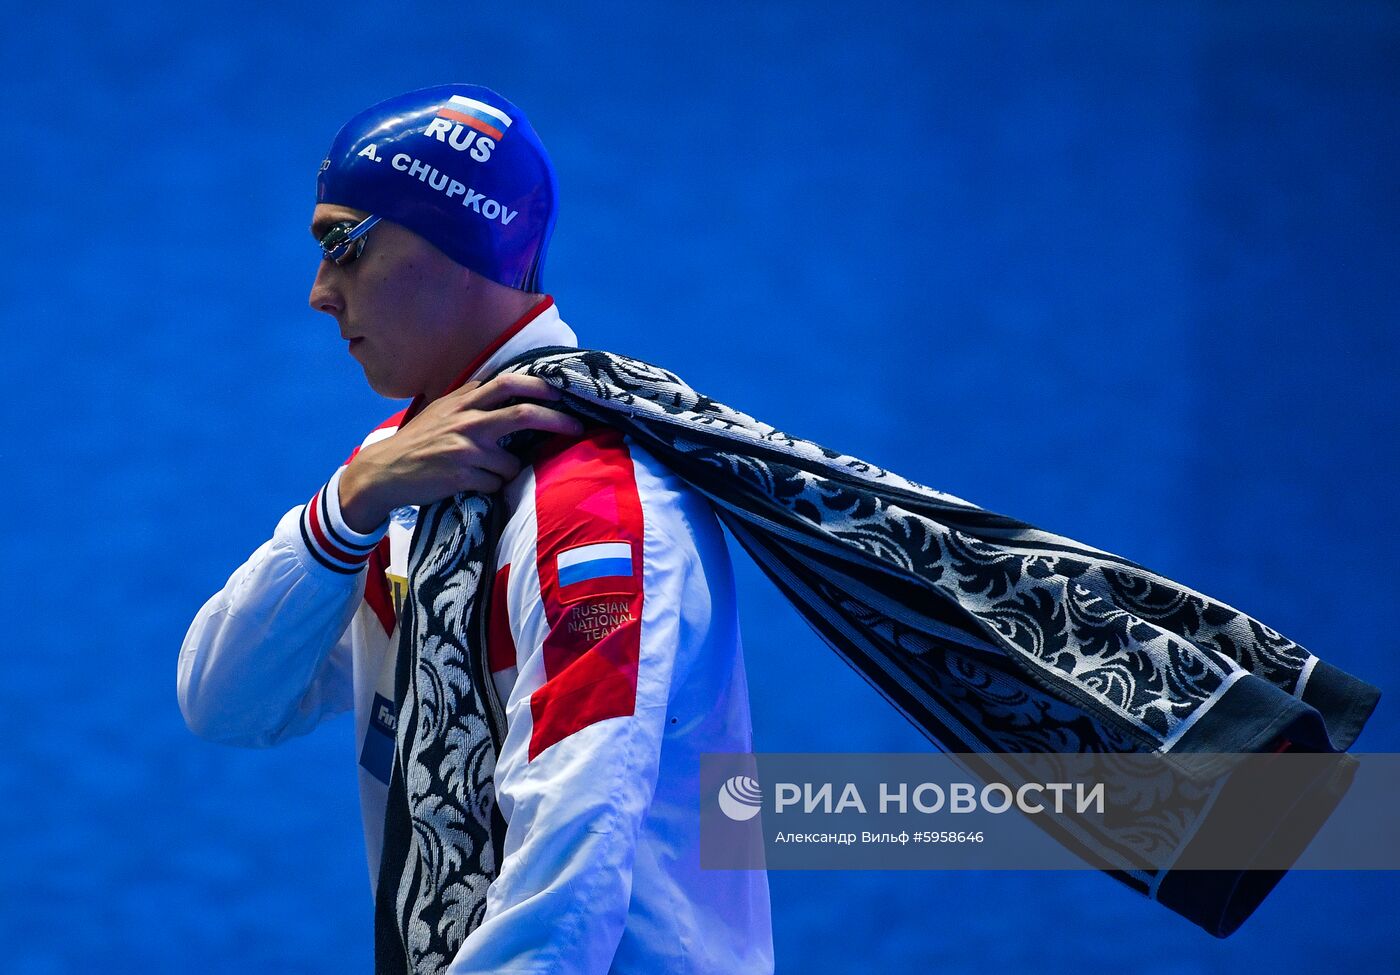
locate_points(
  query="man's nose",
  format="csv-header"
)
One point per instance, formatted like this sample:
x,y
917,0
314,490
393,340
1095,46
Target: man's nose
x,y
325,295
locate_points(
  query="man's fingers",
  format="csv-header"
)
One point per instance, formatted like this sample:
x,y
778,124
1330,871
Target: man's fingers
x,y
480,480
502,389
496,460
526,416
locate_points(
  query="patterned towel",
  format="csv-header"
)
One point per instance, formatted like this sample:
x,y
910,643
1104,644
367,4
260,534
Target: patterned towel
x,y
989,634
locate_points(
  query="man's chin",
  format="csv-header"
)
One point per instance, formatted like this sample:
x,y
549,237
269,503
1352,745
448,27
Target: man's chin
x,y
388,388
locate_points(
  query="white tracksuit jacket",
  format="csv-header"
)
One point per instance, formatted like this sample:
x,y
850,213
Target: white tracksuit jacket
x,y
614,643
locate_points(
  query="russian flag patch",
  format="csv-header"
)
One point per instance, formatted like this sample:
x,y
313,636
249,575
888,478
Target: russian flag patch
x,y
600,560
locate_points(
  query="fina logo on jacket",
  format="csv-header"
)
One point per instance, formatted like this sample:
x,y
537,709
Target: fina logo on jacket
x,y
377,755
465,123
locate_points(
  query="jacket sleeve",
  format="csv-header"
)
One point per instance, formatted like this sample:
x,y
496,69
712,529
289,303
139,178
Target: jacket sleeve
x,y
594,618
269,655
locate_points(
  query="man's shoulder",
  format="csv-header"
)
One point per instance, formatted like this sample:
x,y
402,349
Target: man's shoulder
x,y
386,429
602,456
607,473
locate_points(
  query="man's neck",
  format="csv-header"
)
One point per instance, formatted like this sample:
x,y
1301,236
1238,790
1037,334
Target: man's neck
x,y
502,308
535,305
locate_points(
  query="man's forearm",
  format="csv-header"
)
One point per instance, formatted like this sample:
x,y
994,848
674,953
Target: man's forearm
x,y
253,666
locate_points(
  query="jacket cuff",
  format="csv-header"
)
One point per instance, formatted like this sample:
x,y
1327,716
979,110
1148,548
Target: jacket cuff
x,y
332,542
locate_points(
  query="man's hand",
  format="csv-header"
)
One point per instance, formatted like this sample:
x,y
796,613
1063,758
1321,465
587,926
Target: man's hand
x,y
448,448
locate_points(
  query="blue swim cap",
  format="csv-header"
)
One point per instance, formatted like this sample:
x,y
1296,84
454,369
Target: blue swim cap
x,y
458,165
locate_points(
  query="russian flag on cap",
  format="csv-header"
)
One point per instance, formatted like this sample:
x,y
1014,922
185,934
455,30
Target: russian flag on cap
x,y
487,119
599,560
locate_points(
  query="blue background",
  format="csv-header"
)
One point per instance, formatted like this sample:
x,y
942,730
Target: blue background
x,y
1123,270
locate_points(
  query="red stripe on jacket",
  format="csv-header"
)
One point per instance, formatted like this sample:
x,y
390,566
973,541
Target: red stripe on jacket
x,y
500,645
377,593
586,492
